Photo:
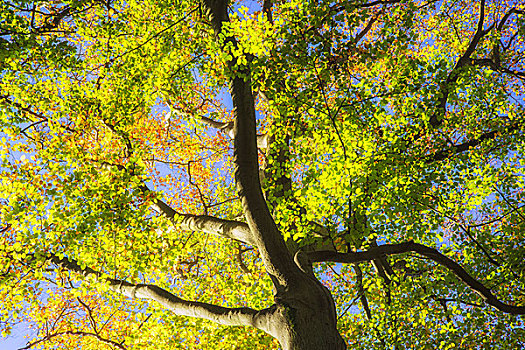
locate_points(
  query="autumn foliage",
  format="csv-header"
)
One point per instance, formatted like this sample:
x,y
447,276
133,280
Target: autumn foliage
x,y
390,140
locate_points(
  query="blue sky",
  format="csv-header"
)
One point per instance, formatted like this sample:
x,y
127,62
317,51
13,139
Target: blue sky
x,y
17,339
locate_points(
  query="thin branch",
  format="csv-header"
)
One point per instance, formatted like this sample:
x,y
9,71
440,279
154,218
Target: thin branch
x,y
144,322
90,315
467,231
455,300
361,291
381,265
41,117
238,257
495,62
513,10
267,9
78,333
332,117
201,195
496,66
153,36
514,208
367,28
227,127
33,125
480,246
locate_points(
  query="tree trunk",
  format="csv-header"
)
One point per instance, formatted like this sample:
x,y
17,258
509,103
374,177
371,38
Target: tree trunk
x,y
306,329
306,319
303,316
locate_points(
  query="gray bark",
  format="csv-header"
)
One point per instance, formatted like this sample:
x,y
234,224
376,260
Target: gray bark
x,y
204,223
242,316
227,127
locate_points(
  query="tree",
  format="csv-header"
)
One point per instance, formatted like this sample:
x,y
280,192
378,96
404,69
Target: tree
x,y
363,188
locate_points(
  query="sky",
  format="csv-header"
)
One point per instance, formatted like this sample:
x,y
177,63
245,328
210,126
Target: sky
x,y
17,339
21,333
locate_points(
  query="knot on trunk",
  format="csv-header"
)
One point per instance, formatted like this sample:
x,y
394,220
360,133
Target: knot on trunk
x,y
303,262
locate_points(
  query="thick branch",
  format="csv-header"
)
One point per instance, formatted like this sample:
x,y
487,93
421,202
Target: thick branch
x,y
496,66
227,127
276,257
267,9
218,314
338,8
444,154
463,61
54,20
367,28
262,142
495,62
431,253
204,223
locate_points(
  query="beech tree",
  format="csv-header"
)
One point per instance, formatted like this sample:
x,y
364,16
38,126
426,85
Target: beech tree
x,y
286,174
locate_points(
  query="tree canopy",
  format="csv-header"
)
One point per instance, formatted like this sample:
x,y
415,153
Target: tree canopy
x,y
274,174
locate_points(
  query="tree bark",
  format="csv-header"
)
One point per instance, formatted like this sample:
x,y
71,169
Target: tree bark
x,y
304,314
392,249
